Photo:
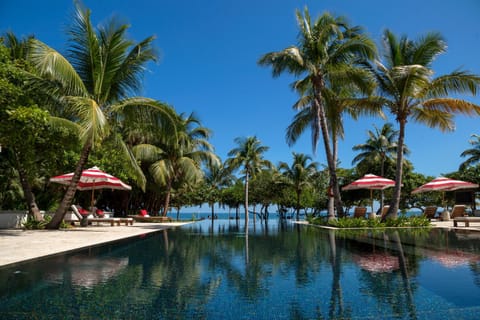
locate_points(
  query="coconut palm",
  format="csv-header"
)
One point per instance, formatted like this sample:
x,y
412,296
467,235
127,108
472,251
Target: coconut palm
x,y
94,84
326,55
249,155
380,147
299,174
473,154
177,159
216,177
409,91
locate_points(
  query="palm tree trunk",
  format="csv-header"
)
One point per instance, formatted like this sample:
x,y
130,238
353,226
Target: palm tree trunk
x,y
27,191
246,200
395,203
167,198
382,192
322,119
72,188
298,205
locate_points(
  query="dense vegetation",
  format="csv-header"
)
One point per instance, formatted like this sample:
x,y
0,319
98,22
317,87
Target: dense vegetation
x,y
65,112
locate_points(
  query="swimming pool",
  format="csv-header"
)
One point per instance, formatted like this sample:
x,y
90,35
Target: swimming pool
x,y
279,271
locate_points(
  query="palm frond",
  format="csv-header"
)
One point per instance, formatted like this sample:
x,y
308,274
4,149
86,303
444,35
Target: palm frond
x,y
53,66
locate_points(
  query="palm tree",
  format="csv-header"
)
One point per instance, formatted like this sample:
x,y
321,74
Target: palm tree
x,y
380,147
249,155
407,88
177,159
299,174
216,177
95,86
473,154
327,55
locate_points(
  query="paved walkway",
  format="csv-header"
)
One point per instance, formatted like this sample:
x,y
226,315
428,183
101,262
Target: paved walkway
x,y
18,245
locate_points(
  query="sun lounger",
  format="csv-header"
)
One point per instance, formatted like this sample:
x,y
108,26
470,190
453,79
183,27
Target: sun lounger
x,y
360,212
384,211
75,216
465,220
430,212
458,211
140,218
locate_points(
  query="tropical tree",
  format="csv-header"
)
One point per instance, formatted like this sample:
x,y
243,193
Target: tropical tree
x,y
299,175
409,91
217,176
472,154
93,86
248,155
177,159
380,147
327,55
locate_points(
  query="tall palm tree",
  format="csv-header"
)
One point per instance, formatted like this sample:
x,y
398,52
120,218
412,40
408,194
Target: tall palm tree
x,y
380,147
299,174
327,54
94,85
249,155
177,159
217,176
409,91
473,154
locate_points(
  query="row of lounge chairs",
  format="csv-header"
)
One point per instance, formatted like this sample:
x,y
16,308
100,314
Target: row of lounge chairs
x,y
76,216
430,212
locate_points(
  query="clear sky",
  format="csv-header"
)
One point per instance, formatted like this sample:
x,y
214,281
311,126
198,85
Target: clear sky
x,y
209,51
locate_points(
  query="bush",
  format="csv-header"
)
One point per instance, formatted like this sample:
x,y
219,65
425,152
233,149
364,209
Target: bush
x,y
401,221
31,224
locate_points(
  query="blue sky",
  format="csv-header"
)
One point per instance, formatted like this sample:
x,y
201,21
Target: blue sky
x,y
209,51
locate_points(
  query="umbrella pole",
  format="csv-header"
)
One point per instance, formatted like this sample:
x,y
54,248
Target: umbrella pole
x,y
371,199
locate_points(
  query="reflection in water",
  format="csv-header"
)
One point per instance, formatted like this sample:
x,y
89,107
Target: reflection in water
x,y
83,270
274,270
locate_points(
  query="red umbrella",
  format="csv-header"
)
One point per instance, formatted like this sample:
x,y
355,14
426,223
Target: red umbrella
x,y
445,184
93,179
371,182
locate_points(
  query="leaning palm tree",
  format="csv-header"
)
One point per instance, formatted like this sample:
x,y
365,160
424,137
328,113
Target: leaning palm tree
x,y
177,159
299,175
249,155
327,54
407,88
380,147
93,88
473,153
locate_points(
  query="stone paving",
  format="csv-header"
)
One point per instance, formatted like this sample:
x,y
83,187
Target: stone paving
x,y
22,245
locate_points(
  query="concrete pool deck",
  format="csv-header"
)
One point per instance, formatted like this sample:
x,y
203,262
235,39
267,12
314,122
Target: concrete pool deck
x,y
19,245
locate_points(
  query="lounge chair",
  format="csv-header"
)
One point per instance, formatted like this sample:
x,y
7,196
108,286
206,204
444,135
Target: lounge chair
x,y
360,212
140,218
384,211
90,219
430,212
458,211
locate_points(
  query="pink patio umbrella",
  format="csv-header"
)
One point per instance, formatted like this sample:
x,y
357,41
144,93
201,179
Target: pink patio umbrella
x,y
445,184
93,179
371,182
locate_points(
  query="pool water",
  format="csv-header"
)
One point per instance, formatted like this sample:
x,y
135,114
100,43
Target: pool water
x,y
279,270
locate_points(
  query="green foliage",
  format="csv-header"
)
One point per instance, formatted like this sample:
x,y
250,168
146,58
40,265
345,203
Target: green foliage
x,y
31,224
376,223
